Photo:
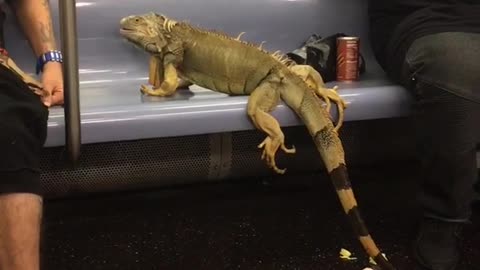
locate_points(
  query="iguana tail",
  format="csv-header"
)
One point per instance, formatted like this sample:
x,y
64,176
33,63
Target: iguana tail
x,y
309,107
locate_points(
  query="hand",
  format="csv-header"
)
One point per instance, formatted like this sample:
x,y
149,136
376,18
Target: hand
x,y
52,81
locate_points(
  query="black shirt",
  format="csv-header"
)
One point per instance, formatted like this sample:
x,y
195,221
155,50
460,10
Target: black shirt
x,y
2,21
395,24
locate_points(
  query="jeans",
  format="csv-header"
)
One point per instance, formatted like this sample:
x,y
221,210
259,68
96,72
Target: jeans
x,y
442,71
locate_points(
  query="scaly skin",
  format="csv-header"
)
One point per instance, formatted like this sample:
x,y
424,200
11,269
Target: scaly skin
x,y
183,54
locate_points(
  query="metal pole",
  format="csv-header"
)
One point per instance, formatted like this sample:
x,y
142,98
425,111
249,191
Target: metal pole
x,y
68,27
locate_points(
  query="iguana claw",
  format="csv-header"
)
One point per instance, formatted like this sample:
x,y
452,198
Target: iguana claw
x,y
144,89
270,147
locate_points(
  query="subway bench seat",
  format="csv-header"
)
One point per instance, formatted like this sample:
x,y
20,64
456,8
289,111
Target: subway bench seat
x,y
121,112
132,141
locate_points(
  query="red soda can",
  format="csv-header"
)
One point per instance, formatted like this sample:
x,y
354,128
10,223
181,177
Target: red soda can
x,y
348,59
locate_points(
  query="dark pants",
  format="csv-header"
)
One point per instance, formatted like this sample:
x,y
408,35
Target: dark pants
x,y
23,130
443,73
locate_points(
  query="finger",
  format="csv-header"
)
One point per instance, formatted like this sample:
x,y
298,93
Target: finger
x,y
47,99
57,98
47,96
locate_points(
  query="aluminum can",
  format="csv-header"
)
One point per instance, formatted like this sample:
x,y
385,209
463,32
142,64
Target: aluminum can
x,y
348,59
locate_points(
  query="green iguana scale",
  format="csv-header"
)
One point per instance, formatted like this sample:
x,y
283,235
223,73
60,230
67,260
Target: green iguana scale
x,y
183,55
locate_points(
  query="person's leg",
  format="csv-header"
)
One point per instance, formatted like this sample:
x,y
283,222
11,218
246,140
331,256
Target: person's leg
x,y
446,137
447,128
23,125
20,216
441,70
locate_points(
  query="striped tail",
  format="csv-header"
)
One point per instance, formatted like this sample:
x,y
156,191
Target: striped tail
x,y
328,143
343,187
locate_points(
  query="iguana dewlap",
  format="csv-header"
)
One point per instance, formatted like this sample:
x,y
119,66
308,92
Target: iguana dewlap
x,y
184,54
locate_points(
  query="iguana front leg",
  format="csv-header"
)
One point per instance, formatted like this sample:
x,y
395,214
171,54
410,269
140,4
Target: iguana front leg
x,y
156,74
155,71
263,100
315,81
170,82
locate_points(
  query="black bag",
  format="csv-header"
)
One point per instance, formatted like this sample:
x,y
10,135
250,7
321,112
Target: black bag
x,y
321,54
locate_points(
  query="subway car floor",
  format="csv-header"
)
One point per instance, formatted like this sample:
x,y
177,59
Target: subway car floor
x,y
286,222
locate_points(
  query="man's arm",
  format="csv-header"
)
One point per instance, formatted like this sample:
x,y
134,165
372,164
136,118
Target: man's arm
x,y
36,22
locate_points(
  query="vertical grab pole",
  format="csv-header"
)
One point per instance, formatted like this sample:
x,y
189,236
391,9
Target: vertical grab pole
x,y
68,28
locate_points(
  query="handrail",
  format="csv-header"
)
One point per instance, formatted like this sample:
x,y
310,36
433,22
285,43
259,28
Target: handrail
x,y
68,27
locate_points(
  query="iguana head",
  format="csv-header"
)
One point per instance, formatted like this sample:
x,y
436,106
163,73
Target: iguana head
x,y
147,31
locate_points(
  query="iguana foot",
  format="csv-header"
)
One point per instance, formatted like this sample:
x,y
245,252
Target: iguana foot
x,y
331,94
167,87
159,92
261,102
270,147
314,80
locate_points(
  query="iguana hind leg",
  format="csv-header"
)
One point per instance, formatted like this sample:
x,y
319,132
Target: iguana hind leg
x,y
262,101
315,81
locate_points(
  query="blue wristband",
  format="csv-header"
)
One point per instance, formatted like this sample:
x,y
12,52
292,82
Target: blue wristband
x,y
50,56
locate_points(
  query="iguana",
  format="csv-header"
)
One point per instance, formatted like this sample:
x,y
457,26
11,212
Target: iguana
x,y
183,54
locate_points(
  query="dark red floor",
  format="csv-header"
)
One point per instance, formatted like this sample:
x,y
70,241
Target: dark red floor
x,y
282,223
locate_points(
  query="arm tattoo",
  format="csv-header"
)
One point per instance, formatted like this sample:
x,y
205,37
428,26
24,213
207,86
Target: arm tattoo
x,y
46,29
45,33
